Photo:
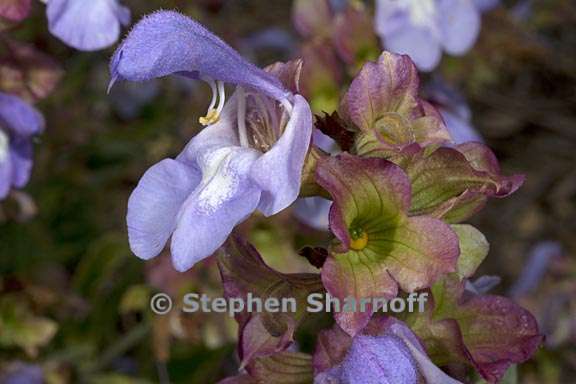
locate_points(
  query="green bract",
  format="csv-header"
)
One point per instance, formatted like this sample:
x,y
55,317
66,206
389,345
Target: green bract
x,y
380,246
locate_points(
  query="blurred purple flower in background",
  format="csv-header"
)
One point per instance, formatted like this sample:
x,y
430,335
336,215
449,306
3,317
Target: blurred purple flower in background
x,y
454,110
249,157
22,373
423,29
19,122
87,25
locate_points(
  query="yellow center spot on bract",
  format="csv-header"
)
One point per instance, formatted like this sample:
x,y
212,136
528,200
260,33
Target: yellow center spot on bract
x,y
360,242
211,117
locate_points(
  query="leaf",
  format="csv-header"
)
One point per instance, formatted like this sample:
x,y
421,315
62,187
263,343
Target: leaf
x,y
487,332
244,273
316,256
473,249
445,184
27,72
333,126
283,368
383,102
354,36
19,327
14,11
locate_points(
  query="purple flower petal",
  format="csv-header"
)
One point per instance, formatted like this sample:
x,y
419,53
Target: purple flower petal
x,y
460,25
461,130
5,176
278,171
225,197
168,42
87,25
486,5
21,152
19,117
313,211
379,360
418,43
154,204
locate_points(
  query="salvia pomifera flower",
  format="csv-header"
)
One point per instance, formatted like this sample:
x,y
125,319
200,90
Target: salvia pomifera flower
x,y
423,29
385,352
19,123
87,25
249,157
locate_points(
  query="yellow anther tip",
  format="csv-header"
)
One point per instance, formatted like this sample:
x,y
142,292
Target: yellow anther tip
x,y
211,117
360,243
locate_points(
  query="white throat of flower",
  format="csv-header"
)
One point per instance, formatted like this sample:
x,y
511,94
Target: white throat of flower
x,y
219,95
4,146
422,12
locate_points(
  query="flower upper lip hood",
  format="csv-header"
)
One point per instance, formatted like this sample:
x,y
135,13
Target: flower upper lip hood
x,y
250,155
167,42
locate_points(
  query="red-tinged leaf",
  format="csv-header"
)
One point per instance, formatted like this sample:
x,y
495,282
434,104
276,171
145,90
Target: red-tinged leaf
x,y
312,18
244,272
354,36
445,184
383,102
333,126
283,368
489,333
14,11
381,248
316,256
27,72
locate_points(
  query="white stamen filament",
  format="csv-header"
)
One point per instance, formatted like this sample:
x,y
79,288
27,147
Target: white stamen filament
x,y
218,95
4,145
287,106
242,132
221,97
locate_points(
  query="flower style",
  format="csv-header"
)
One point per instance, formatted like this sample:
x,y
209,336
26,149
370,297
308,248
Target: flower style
x,y
19,122
87,25
249,157
386,351
424,28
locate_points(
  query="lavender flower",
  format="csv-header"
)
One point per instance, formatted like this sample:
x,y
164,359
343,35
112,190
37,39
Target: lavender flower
x,y
87,25
386,352
425,28
249,157
19,122
454,110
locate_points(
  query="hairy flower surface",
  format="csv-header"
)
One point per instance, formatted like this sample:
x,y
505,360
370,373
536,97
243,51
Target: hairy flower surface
x,y
87,25
423,29
19,122
386,351
250,156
